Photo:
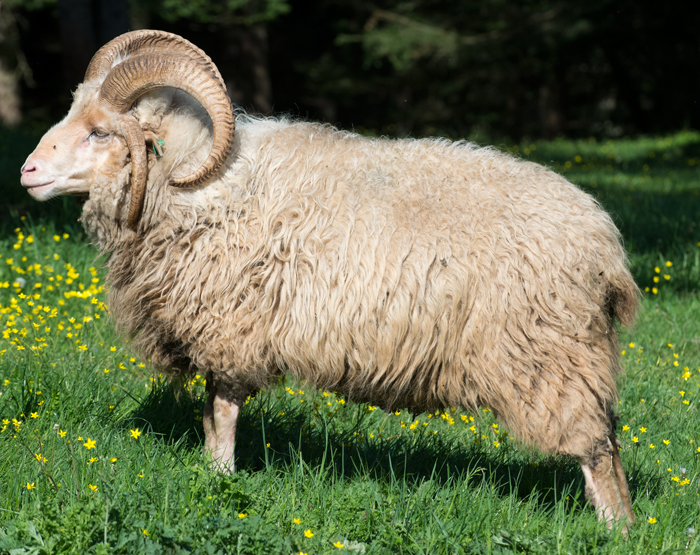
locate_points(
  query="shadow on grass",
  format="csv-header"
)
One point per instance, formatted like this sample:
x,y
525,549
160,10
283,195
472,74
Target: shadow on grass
x,y
652,221
657,227
62,212
296,432
174,417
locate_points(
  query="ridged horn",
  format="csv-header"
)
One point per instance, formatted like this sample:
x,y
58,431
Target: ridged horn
x,y
146,41
143,73
133,135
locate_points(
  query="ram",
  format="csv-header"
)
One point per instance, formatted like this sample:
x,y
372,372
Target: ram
x,y
406,273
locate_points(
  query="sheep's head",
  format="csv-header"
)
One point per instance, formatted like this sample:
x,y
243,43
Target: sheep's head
x,y
90,142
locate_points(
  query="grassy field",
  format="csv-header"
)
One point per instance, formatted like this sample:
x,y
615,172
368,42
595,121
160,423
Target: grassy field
x,y
99,455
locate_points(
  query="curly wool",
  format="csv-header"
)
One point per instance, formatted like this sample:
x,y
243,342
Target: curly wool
x,y
405,273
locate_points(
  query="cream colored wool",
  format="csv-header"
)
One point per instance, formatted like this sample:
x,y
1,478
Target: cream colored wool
x,y
406,273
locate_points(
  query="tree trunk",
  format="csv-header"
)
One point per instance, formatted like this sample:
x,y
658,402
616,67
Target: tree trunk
x,y
10,113
77,39
247,54
549,112
113,19
86,25
628,89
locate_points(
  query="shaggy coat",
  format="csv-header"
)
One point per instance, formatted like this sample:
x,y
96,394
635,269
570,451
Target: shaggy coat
x,y
406,273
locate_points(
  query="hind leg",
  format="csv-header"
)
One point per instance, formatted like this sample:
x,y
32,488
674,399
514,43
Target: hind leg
x,y
606,486
566,415
621,480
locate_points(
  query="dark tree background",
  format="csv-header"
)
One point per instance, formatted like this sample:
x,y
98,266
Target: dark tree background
x,y
494,68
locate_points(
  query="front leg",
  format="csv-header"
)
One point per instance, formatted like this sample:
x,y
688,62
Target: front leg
x,y
220,417
208,420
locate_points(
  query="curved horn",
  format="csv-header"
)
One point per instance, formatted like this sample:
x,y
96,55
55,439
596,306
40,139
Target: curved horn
x,y
143,73
146,40
133,135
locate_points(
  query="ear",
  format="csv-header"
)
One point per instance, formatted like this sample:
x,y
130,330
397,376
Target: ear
x,y
150,109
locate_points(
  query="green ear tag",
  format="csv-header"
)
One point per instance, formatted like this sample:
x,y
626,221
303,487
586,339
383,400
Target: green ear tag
x,y
158,150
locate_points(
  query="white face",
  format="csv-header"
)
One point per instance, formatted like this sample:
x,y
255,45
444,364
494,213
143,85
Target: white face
x,y
72,155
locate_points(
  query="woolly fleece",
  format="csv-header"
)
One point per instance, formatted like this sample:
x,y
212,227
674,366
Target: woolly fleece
x,y
406,273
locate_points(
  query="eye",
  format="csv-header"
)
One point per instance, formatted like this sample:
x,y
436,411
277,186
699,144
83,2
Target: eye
x,y
99,134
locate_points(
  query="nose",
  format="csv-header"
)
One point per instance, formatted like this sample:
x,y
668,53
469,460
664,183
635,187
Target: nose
x,y
28,167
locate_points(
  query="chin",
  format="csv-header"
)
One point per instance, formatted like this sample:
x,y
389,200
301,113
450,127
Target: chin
x,y
43,192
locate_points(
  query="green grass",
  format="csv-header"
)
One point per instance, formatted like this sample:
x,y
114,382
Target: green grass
x,y
307,461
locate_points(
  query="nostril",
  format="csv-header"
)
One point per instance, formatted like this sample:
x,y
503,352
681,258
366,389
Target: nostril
x,y
28,168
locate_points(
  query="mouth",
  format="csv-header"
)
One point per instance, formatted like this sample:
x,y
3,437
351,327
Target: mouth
x,y
36,190
39,186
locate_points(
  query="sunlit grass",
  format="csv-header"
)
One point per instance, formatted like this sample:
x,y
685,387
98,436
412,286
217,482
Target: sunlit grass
x,y
99,454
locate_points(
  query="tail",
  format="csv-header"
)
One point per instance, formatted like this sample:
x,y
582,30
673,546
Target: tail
x,y
623,298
